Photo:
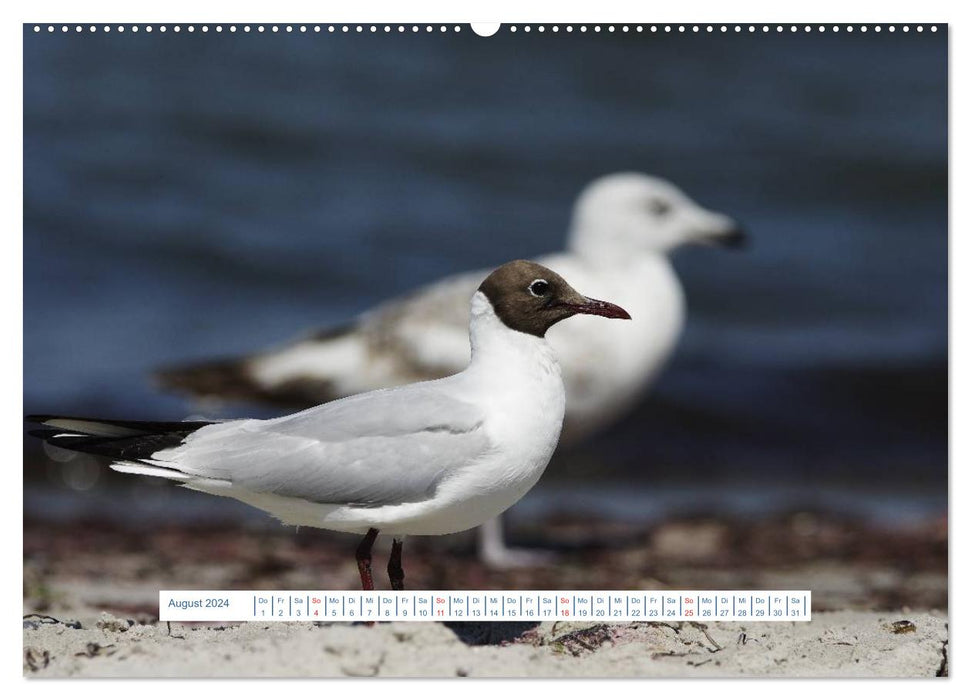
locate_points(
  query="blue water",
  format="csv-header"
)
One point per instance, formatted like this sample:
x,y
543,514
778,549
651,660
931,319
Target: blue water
x,y
196,195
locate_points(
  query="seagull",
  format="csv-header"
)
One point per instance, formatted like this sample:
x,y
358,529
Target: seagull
x,y
623,227
429,458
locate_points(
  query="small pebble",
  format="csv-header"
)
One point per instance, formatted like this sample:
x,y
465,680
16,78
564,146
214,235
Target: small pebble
x,y
902,627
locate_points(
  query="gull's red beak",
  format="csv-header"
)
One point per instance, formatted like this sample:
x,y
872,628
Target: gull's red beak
x,y
595,307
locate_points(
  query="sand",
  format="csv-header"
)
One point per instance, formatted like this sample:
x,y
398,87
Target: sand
x,y
880,602
835,644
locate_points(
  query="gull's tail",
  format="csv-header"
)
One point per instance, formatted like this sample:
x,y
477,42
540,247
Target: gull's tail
x,y
130,444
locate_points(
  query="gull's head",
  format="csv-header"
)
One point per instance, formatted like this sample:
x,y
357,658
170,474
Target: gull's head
x,y
530,298
626,213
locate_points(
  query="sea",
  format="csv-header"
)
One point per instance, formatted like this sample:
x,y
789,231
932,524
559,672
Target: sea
x,y
199,194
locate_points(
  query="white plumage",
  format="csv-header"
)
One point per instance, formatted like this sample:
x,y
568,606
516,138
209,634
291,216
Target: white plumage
x,y
424,459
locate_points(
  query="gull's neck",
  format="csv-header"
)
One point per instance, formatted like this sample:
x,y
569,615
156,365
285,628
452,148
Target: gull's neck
x,y
496,345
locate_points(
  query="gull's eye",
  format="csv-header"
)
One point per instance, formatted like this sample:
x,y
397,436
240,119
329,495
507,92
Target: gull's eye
x,y
658,207
539,288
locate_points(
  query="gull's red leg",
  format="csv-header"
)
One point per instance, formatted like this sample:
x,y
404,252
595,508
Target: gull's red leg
x,y
364,559
395,572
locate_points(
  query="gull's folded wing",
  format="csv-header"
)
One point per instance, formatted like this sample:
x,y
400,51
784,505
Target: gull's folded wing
x,y
425,334
387,447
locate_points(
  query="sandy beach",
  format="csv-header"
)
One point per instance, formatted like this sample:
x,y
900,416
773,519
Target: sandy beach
x,y
849,643
879,599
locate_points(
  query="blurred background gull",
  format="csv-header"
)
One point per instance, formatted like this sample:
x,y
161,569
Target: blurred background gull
x,y
190,196
622,230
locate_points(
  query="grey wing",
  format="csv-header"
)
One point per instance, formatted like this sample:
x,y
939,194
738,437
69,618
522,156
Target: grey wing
x,y
386,447
425,334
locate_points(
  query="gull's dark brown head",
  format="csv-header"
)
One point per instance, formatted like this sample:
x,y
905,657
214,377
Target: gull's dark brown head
x,y
530,298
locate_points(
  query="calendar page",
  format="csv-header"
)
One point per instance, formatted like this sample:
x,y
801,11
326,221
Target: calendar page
x,y
525,349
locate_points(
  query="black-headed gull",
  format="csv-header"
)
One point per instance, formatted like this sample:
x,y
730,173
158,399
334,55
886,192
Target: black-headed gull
x,y
429,458
623,227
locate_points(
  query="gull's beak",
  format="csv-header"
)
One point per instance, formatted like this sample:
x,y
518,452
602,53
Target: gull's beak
x,y
595,307
735,237
719,230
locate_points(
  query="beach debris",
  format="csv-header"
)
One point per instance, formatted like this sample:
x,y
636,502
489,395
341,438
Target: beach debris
x,y
669,654
744,639
587,639
110,623
33,621
902,627
36,659
92,649
704,630
942,671
676,627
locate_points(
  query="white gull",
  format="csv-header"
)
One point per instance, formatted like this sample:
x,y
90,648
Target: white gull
x,y
623,228
429,458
